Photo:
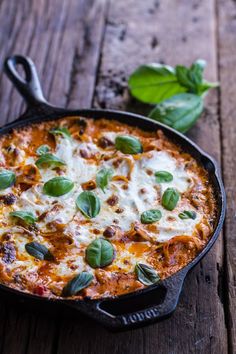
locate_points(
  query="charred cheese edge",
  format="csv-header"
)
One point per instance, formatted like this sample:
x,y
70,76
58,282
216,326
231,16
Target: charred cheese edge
x,y
166,245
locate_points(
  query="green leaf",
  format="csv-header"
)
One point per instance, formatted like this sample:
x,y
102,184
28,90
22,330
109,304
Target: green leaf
x,y
28,217
39,251
188,214
205,86
192,78
146,274
43,149
7,179
150,216
49,160
89,204
163,177
58,186
100,253
154,83
60,131
103,177
170,198
128,144
179,112
79,282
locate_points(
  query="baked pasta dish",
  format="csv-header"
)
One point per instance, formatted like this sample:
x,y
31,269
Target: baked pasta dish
x,y
97,208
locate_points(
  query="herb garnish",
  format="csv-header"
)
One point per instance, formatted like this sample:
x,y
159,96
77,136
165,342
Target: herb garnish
x,y
99,253
178,92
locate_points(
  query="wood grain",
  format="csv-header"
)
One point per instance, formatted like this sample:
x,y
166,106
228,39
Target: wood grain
x,y
172,32
65,39
227,62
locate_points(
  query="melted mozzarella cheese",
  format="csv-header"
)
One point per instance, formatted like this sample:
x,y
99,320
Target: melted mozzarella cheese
x,y
143,192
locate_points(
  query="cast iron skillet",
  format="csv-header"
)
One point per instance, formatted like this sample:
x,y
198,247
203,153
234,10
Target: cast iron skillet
x,y
147,305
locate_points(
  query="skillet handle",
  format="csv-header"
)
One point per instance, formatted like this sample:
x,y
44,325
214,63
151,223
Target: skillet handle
x,y
136,310
29,87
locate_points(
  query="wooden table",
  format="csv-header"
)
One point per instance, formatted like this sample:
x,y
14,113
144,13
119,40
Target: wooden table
x,y
84,51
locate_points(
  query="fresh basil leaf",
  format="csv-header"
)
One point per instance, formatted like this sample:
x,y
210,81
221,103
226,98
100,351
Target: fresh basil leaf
x,y
49,160
43,149
150,216
79,282
146,274
192,78
39,251
26,216
128,144
179,112
188,214
99,253
58,186
60,131
154,83
163,177
103,177
89,204
170,198
7,179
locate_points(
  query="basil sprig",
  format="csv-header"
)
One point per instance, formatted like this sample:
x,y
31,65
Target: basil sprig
x,y
27,216
89,204
163,176
42,149
146,274
60,131
39,251
192,78
153,83
178,92
188,214
128,144
79,282
170,198
179,112
7,179
58,186
100,253
103,177
49,160
150,216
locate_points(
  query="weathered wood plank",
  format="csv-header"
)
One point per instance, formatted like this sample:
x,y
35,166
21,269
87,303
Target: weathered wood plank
x,y
227,63
174,32
63,38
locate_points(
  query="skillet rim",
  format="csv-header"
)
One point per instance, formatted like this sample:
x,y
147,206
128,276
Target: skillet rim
x,y
46,112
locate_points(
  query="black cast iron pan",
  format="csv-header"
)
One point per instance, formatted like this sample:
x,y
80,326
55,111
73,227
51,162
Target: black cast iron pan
x,y
147,305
